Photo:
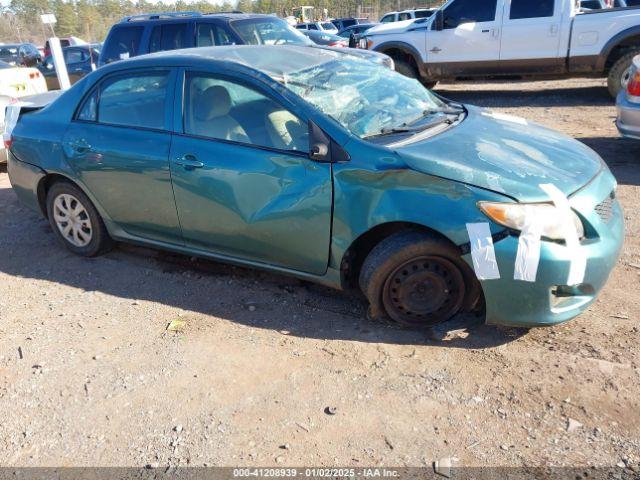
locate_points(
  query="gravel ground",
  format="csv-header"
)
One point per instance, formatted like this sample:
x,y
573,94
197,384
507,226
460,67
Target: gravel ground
x,y
89,374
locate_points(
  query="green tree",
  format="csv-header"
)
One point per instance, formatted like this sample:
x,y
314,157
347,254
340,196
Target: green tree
x,y
66,24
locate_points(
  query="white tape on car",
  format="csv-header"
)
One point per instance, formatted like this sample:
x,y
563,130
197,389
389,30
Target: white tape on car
x,y
528,256
578,264
482,251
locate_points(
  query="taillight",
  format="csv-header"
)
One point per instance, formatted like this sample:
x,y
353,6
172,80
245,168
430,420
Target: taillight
x,y
633,89
8,140
33,75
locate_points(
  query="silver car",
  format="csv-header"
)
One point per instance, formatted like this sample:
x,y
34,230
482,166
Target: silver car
x,y
628,103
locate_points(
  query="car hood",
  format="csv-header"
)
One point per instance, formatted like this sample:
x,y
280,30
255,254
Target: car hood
x,y
505,154
391,27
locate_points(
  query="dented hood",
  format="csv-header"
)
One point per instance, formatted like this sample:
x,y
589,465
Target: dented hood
x,y
505,154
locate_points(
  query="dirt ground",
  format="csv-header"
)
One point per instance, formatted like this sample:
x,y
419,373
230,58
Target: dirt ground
x,y
89,374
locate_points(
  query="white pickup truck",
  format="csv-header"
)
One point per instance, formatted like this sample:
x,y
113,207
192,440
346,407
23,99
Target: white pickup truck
x,y
492,38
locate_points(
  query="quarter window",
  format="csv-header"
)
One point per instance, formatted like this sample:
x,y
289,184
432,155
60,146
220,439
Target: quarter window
x,y
225,110
123,43
469,11
137,101
528,9
89,110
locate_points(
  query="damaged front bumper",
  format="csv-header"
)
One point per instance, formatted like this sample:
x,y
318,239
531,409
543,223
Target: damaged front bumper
x,y
549,300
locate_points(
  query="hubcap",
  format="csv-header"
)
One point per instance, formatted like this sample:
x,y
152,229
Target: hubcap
x,y
72,220
424,291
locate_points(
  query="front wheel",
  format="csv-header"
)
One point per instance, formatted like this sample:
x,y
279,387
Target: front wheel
x,y
75,221
417,280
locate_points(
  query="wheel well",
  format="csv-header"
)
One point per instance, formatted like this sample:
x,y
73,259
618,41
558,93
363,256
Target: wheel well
x,y
361,247
43,188
399,54
624,47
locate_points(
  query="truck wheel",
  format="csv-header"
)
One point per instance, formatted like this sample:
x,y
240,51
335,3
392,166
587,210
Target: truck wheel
x,y
417,280
75,221
620,72
407,69
428,84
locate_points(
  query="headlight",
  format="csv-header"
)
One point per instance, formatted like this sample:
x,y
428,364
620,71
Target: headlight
x,y
516,216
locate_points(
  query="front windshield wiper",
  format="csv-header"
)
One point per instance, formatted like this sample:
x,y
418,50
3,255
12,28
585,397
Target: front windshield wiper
x,y
407,129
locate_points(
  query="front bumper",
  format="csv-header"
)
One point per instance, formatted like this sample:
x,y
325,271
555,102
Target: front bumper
x,y
628,121
549,300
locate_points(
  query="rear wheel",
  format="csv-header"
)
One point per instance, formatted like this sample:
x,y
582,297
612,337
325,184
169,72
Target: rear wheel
x,y
417,280
75,221
620,73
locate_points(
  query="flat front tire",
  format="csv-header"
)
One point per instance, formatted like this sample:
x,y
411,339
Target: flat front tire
x,y
75,221
417,280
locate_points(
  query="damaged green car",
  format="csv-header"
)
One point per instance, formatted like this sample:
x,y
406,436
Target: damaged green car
x,y
318,164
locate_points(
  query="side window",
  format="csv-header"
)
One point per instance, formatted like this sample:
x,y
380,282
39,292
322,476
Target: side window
x,y
170,36
528,9
404,16
123,43
75,56
226,110
137,101
387,19
313,26
469,11
209,34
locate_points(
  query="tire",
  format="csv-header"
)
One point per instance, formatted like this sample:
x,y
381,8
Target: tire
x,y
75,221
427,83
407,69
619,73
417,280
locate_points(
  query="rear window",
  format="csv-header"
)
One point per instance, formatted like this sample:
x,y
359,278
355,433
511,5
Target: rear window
x,y
123,43
170,36
328,26
348,23
423,13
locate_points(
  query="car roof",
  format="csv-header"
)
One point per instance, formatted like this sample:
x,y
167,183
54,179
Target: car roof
x,y
170,16
273,60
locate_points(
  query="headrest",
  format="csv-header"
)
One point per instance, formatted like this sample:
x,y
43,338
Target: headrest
x,y
213,102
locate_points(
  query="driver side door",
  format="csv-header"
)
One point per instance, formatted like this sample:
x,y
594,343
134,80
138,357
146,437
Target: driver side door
x,y
243,181
469,42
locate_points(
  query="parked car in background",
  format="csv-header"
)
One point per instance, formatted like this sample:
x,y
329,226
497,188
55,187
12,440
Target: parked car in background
x,y
407,15
64,42
15,83
356,30
80,61
626,3
553,38
628,104
342,23
324,38
588,5
20,54
362,178
319,26
141,34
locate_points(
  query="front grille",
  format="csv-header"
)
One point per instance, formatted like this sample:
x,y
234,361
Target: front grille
x,y
605,208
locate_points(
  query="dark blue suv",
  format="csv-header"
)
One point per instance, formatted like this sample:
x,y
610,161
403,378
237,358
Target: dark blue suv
x,y
140,34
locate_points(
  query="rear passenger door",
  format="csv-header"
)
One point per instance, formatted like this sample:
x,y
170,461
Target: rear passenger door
x,y
211,34
531,33
243,181
118,145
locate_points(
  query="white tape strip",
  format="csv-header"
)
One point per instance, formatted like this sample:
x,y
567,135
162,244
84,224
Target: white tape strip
x,y
578,258
12,112
482,251
528,256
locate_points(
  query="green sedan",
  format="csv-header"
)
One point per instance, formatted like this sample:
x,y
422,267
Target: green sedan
x,y
321,165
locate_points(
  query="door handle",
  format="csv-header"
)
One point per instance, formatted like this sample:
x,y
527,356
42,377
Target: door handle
x,y
495,32
189,162
554,29
435,50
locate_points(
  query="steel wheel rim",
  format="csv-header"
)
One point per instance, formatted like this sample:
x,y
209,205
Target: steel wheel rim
x,y
424,291
72,220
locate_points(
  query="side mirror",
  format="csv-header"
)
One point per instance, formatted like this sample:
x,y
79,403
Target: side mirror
x,y
438,22
319,150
